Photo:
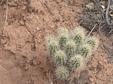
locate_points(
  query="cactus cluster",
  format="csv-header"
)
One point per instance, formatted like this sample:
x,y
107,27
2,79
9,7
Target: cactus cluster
x,y
70,49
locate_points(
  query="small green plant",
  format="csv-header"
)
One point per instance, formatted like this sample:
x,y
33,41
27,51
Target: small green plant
x,y
62,72
70,51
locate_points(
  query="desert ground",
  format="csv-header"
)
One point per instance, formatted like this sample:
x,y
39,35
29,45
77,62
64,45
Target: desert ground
x,y
24,25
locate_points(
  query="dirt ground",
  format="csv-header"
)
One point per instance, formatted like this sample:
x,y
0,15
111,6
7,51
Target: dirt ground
x,y
23,53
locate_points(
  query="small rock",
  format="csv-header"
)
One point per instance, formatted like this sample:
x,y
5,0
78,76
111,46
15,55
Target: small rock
x,y
90,6
91,79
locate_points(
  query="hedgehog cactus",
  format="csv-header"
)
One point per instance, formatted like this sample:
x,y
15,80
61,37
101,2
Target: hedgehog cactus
x,y
70,52
53,46
63,37
62,72
70,48
78,35
75,62
60,58
85,50
93,42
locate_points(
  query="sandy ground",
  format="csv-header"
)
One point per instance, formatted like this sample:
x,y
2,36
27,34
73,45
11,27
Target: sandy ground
x,y
23,53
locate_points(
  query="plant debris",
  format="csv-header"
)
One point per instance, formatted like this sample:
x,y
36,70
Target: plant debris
x,y
99,13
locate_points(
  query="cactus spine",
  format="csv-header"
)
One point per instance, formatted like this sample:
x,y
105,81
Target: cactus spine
x,y
60,57
53,46
85,50
93,42
70,48
62,72
63,37
79,35
75,62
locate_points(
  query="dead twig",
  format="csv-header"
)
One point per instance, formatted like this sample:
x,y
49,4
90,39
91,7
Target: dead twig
x,y
92,30
6,17
107,50
107,13
33,38
111,31
45,6
4,68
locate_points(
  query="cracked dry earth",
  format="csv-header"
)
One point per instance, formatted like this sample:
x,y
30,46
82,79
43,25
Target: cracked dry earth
x,y
23,53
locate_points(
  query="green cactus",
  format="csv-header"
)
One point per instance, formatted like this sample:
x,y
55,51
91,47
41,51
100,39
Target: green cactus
x,y
63,37
93,42
70,48
85,50
75,62
60,58
70,52
62,72
78,35
53,46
